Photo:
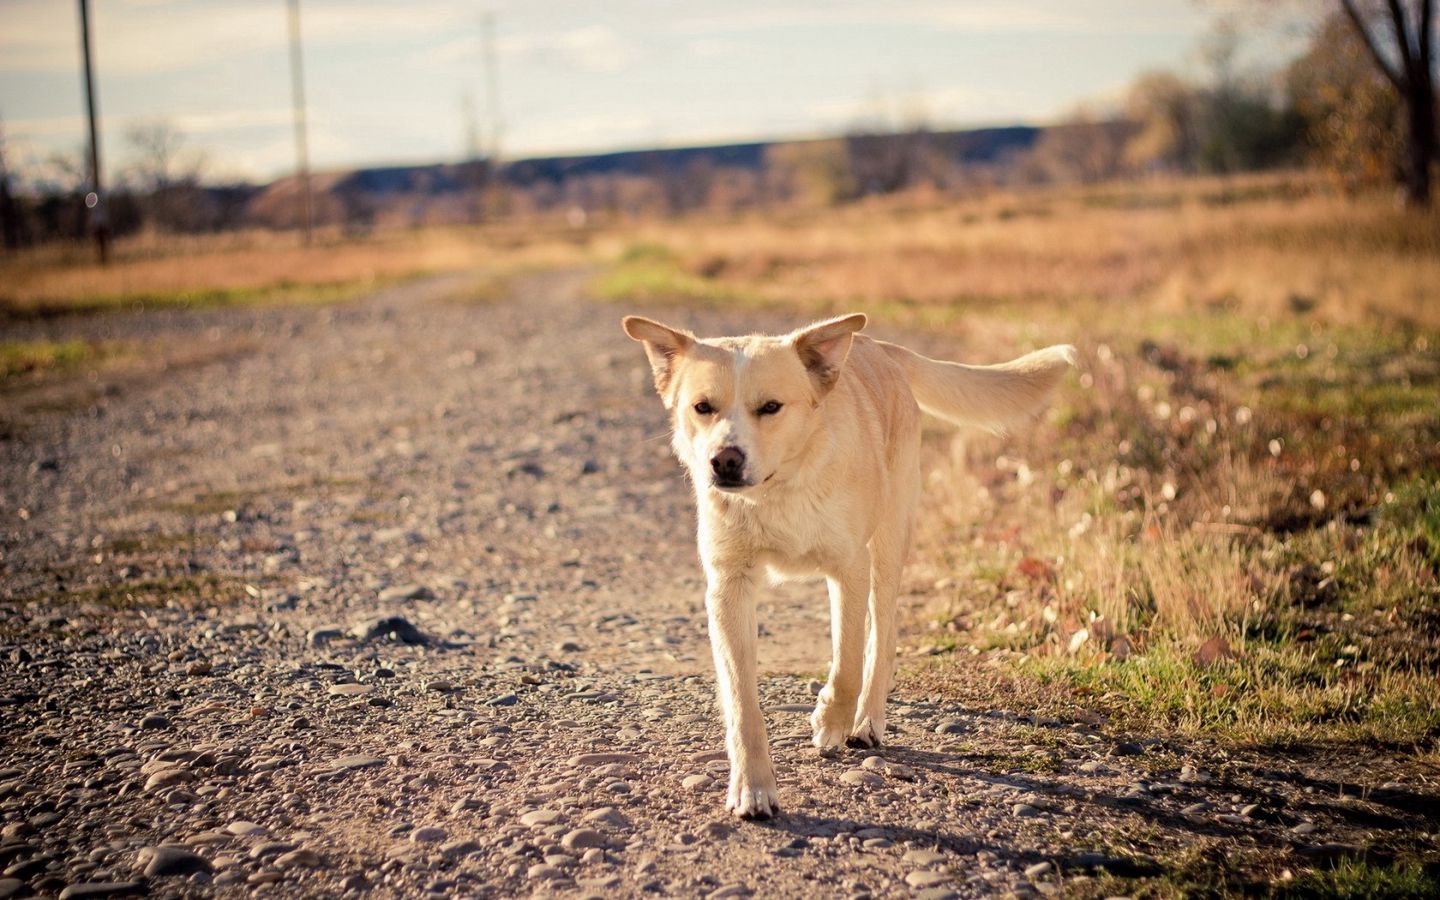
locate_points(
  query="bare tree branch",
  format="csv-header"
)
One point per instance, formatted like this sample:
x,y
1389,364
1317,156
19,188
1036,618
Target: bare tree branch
x,y
1370,45
1402,37
1427,10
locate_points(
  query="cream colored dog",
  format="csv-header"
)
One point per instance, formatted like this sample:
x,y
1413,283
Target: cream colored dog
x,y
804,451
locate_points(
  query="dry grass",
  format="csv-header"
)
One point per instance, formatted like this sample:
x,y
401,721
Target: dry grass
x,y
1231,521
264,267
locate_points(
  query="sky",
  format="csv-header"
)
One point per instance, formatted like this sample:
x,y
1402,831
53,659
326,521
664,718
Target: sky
x,y
387,82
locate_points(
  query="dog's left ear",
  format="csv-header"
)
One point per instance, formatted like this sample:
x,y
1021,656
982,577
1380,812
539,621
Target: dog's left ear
x,y
663,345
824,346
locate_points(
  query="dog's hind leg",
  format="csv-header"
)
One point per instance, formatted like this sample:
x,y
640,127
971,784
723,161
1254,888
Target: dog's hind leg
x,y
888,549
835,710
730,602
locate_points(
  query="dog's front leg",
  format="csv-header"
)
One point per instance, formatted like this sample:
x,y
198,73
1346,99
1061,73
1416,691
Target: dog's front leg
x,y
730,602
849,595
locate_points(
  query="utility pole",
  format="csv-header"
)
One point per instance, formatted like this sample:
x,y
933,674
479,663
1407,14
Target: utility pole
x,y
98,214
302,143
492,86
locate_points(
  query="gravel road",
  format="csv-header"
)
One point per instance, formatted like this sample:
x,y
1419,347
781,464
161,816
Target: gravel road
x,y
400,596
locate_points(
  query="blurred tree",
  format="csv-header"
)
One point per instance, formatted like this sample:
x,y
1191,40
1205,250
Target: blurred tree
x,y
9,209
811,172
167,176
1084,148
1406,59
1352,116
1167,117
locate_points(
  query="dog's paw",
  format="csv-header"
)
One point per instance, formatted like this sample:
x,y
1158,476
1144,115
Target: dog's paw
x,y
868,732
756,798
830,727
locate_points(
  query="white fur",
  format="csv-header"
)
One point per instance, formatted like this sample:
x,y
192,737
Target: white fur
x,y
832,483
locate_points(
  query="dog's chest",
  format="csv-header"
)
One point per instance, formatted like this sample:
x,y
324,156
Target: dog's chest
x,y
794,537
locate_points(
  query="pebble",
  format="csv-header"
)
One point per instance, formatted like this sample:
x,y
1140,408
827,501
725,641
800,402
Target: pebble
x,y
923,878
862,777
951,726
390,628
154,723
349,690
923,858
608,815
91,889
545,872
430,834
11,887
1303,828
241,828
503,700
738,889
697,782
583,839
1195,809
169,859
359,761
1040,868
406,592
318,637
303,858
540,818
1024,811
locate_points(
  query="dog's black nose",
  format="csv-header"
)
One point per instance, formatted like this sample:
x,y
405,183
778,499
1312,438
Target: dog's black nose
x,y
728,465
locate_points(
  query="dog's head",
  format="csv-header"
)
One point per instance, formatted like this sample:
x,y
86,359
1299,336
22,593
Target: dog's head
x,y
743,408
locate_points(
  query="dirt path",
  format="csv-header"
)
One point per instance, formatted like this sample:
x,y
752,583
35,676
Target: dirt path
x,y
215,550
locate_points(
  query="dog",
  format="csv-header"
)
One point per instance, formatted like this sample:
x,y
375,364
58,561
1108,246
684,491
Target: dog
x,y
804,452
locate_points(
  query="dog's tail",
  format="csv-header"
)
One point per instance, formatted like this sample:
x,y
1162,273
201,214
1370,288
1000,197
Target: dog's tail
x,y
990,397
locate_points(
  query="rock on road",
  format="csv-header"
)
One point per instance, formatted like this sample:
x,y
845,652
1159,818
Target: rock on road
x,y
400,596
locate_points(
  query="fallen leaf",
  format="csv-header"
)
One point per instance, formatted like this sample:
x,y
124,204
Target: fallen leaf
x,y
1035,569
1213,651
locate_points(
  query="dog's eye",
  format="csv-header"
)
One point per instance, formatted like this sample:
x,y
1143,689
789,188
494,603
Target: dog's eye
x,y
703,408
770,409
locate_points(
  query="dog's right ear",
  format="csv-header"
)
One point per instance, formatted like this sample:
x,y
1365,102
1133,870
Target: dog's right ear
x,y
663,345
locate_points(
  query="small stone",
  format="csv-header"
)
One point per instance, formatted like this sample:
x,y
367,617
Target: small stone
x,y
241,828
1249,809
569,647
169,859
346,763
584,760
545,872
154,722
738,889
199,667
318,637
1024,811
1303,828
608,815
302,858
1196,809
91,889
1127,748
923,858
391,628
924,878
406,592
349,690
430,834
11,887
697,782
168,778
1093,767
540,818
876,763
862,777
1040,868
951,726
459,848
503,700
440,686
356,883
583,839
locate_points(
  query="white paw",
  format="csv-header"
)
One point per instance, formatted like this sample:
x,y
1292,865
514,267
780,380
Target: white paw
x,y
830,726
753,798
868,732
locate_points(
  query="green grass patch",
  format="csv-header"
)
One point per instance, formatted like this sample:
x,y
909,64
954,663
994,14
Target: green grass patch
x,y
24,358
1361,879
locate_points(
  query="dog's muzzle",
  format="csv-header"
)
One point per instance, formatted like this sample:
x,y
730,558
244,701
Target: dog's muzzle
x,y
727,469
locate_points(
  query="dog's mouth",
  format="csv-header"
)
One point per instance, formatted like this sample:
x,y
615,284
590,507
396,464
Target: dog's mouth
x,y
729,485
